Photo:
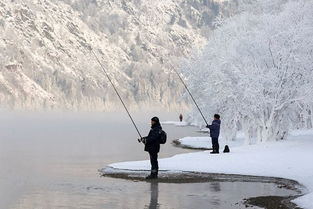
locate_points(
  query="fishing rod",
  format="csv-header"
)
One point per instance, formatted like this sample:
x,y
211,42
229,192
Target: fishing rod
x,y
181,79
115,89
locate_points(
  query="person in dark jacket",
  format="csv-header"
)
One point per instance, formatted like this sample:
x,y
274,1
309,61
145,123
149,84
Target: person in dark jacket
x,y
181,117
152,146
215,132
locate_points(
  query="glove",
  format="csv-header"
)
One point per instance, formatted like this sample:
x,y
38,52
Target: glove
x,y
142,139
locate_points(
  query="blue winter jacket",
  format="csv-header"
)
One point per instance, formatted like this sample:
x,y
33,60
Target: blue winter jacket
x,y
215,128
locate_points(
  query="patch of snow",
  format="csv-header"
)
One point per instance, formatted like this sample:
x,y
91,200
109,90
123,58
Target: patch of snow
x,y
204,130
291,159
301,132
176,123
204,142
196,142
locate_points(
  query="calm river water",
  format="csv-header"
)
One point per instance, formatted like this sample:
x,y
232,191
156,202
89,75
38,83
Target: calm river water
x,y
51,161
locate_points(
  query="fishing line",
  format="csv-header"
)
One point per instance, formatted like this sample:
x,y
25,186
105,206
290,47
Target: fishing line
x,y
115,89
181,79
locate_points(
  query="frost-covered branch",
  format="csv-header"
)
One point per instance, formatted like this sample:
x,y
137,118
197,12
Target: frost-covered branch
x,y
256,70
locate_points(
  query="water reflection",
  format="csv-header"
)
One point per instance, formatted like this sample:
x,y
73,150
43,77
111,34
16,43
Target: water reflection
x,y
216,186
154,195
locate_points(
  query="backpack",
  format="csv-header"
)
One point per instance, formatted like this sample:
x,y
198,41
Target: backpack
x,y
163,137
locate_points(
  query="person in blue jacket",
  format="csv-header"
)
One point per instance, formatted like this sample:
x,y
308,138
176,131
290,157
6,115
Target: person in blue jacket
x,y
214,133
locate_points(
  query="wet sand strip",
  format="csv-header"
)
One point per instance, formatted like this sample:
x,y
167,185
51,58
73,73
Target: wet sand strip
x,y
272,202
177,143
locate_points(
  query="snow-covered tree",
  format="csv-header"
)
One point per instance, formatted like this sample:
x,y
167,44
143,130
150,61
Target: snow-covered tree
x,y
257,70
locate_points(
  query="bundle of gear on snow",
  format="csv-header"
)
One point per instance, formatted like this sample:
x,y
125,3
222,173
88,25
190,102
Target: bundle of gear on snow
x,y
226,149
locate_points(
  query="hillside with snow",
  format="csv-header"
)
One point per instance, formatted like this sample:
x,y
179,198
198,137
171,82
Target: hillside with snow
x,y
45,58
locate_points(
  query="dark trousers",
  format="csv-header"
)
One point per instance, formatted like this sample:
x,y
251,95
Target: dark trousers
x,y
215,144
154,163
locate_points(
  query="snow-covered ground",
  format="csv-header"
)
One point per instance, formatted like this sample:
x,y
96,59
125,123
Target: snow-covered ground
x,y
291,159
203,142
204,130
176,123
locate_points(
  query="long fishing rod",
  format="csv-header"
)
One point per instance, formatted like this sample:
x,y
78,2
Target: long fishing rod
x,y
181,79
107,75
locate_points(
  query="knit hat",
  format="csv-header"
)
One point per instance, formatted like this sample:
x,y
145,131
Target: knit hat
x,y
155,119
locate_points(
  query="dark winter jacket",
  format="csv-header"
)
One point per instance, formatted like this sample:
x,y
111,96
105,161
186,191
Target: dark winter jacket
x,y
215,128
152,140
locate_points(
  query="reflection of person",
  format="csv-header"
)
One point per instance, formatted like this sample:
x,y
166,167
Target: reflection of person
x,y
215,132
180,117
154,187
215,186
153,147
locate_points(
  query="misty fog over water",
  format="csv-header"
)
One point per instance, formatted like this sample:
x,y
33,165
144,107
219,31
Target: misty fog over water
x,y
50,160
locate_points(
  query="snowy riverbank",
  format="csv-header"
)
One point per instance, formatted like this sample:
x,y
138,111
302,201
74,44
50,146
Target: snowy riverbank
x,y
177,123
204,142
291,159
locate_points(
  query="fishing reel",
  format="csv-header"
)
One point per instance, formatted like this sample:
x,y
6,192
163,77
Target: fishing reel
x,y
143,140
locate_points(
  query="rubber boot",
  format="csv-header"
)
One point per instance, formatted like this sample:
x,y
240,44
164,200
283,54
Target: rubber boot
x,y
153,175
